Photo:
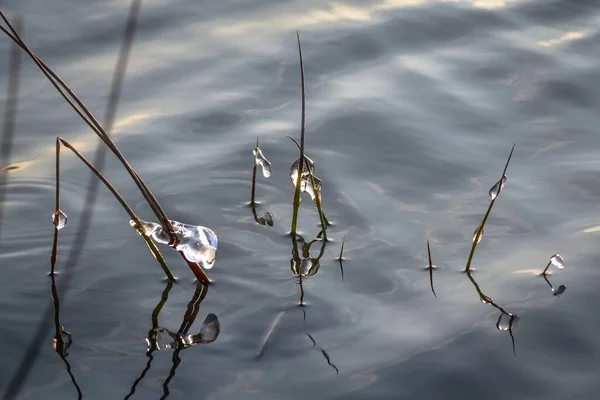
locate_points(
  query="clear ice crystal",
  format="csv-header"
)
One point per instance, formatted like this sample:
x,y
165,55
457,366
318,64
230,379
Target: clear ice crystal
x,y
475,235
557,261
59,219
507,322
305,182
261,160
497,188
198,243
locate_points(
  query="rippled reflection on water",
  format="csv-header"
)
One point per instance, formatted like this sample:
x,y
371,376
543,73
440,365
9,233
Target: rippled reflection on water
x,y
411,107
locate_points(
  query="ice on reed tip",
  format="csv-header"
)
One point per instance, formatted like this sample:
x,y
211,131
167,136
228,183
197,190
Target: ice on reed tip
x,y
261,160
497,188
59,219
305,181
557,261
198,243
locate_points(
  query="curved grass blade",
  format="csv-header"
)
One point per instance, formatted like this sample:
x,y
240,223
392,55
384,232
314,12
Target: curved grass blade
x,y
479,230
296,201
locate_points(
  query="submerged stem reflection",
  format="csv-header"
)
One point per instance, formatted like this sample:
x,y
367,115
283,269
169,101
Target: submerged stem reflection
x,y
62,338
506,321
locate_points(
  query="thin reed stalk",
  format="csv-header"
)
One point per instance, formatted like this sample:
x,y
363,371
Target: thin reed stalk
x,y
253,202
296,201
485,217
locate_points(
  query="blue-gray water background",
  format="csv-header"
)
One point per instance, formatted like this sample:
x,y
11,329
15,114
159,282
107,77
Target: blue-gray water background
x,y
412,108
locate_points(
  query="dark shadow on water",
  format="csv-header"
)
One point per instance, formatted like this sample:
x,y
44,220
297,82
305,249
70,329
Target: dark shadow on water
x,y
10,116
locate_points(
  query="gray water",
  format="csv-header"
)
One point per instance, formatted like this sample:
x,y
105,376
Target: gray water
x,y
412,108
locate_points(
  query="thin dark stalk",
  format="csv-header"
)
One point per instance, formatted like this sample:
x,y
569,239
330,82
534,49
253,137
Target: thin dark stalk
x,y
485,217
430,269
544,272
10,115
53,254
155,252
176,362
296,201
253,202
58,340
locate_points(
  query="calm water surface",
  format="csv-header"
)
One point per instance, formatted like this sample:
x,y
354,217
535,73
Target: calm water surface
x,y
413,106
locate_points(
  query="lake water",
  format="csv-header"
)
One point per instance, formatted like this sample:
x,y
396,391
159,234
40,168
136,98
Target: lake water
x,y
412,109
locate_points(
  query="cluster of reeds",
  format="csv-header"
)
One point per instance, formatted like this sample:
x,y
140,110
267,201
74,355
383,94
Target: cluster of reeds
x,y
507,321
82,110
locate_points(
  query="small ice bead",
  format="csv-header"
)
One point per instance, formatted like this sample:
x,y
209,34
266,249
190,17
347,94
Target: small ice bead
x,y
557,261
475,235
59,219
497,188
261,160
507,322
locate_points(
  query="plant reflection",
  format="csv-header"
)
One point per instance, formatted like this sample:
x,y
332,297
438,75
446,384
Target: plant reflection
x,y
266,220
325,354
302,264
506,321
163,339
555,291
62,338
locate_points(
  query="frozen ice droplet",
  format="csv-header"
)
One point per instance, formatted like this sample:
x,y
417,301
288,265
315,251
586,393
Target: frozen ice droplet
x,y
557,261
477,236
497,188
507,322
198,243
59,219
305,181
260,159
